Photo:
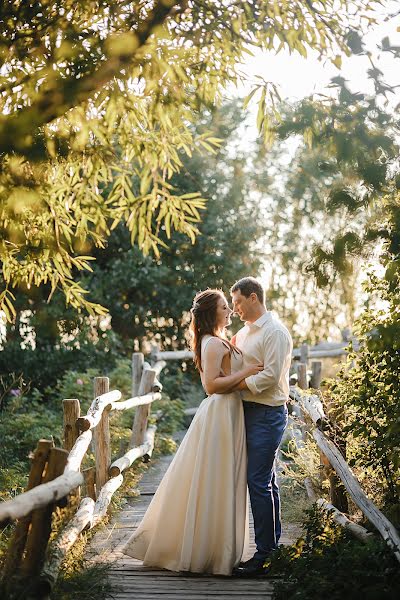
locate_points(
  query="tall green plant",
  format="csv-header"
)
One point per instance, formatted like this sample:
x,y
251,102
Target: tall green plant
x,y
368,390
94,92
327,563
356,137
297,219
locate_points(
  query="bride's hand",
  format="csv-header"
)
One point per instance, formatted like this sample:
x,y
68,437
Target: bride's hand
x,y
253,369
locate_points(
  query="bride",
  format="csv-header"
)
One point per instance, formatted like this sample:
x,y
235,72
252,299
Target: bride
x,y
197,519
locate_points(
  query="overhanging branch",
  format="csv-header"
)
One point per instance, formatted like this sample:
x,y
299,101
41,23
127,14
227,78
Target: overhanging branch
x,y
17,130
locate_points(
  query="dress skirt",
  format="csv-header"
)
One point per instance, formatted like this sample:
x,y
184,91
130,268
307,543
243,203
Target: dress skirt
x,y
197,520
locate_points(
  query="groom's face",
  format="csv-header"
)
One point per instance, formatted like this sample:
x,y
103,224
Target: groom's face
x,y
242,306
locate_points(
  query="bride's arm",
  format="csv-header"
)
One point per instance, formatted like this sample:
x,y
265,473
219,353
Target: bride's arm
x,y
214,383
241,385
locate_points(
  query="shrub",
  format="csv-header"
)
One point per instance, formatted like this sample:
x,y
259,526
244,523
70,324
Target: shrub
x,y
368,392
21,426
44,366
327,563
182,381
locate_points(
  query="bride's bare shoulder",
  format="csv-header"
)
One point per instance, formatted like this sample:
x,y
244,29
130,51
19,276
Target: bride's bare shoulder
x,y
214,344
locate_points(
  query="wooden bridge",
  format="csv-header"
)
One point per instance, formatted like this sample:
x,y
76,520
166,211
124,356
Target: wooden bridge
x,y
130,579
56,473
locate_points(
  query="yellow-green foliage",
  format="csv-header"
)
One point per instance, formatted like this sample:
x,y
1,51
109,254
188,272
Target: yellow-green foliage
x,y
368,394
97,101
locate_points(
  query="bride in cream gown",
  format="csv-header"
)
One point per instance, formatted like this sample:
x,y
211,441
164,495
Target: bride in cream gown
x,y
197,520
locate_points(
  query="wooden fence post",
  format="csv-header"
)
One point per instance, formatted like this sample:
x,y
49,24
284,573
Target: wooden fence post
x,y
101,436
89,475
18,540
316,375
304,352
337,491
338,494
302,375
137,370
72,412
142,412
40,530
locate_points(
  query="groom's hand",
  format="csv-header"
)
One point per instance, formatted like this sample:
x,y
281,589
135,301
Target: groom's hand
x,y
242,385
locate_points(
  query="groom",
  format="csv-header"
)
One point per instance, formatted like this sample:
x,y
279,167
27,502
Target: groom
x,y
263,339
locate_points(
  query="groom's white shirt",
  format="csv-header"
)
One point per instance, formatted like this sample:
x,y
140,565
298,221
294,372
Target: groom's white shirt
x,y
266,341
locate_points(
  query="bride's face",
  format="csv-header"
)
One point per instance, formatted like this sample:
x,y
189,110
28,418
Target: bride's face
x,y
223,313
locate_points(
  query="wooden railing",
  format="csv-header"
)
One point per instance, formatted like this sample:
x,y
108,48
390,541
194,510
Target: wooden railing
x,y
317,424
303,353
56,472
308,406
302,357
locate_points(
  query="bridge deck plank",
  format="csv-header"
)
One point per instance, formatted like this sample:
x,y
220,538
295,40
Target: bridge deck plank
x,y
131,580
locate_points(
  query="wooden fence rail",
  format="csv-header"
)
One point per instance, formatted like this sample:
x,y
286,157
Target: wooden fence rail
x,y
303,354
373,514
55,473
312,407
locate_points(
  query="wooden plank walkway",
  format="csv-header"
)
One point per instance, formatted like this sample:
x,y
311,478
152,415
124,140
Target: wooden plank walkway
x,y
131,580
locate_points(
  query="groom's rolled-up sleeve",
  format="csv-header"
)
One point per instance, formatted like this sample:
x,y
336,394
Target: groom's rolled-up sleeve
x,y
276,348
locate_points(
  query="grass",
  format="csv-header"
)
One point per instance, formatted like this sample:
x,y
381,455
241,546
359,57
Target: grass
x,y
90,583
294,501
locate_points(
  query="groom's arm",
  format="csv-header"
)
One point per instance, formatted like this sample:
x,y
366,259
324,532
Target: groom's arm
x,y
276,346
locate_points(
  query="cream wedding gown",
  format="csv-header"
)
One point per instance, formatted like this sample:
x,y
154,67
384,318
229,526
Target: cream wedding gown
x,y
197,520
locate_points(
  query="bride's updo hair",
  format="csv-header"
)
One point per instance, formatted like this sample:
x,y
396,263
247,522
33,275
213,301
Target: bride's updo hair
x,y
204,321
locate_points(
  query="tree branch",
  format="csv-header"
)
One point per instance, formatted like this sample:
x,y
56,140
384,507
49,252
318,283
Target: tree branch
x,y
17,130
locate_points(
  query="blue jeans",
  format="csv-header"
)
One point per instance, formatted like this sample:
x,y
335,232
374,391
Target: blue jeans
x,y
264,430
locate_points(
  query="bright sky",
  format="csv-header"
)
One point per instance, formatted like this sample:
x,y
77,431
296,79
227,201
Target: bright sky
x,y
298,77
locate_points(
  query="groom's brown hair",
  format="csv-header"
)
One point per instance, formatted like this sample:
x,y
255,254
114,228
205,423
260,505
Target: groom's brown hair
x,y
247,286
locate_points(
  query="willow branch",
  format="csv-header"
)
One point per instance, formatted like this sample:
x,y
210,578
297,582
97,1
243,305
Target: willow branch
x,y
16,131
